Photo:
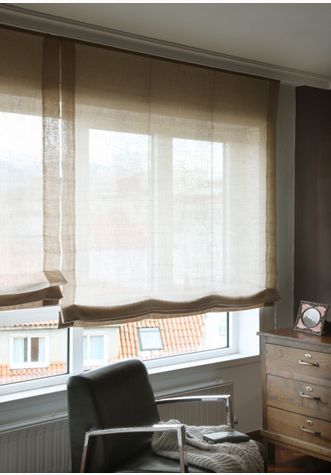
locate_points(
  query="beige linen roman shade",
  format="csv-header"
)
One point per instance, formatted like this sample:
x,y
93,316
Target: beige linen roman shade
x,y
29,170
148,184
174,188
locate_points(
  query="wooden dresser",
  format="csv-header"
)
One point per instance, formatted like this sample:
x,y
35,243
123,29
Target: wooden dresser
x,y
296,372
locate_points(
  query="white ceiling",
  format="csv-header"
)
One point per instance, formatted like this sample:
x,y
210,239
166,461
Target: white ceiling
x,y
289,35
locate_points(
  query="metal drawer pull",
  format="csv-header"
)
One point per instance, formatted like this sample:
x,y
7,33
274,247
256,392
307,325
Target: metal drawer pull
x,y
316,398
318,433
308,363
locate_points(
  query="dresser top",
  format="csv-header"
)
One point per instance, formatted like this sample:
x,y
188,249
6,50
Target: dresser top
x,y
289,333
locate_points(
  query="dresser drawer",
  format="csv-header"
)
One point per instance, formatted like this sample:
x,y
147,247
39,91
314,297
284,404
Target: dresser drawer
x,y
314,431
296,364
299,364
296,396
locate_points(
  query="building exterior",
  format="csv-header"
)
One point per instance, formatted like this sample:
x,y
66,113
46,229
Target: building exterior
x,y
39,349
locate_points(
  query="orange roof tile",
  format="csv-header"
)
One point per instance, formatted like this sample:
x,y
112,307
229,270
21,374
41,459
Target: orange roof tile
x,y
44,324
179,335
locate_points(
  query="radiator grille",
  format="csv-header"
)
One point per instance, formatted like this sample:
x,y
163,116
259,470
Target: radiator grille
x,y
38,448
204,413
45,447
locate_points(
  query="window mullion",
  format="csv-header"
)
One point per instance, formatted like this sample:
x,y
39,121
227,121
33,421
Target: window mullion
x,y
29,350
76,351
88,348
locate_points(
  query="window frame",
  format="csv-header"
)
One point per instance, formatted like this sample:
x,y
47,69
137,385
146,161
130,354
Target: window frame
x,y
203,355
75,355
28,364
88,361
141,331
44,314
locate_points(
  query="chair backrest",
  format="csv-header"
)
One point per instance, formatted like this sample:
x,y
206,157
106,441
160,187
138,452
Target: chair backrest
x,y
118,395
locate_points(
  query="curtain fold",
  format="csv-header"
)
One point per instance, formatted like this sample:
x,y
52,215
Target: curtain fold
x,y
174,189
30,182
67,205
42,287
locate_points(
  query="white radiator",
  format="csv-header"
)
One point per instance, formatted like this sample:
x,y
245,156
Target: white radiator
x,y
45,447
197,413
38,448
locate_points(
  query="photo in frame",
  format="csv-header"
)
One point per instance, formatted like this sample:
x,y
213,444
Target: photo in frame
x,y
311,317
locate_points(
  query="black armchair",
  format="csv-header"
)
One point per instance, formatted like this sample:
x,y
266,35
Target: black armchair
x,y
112,416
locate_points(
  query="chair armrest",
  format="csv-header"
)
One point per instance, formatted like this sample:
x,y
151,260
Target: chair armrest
x,y
204,398
178,428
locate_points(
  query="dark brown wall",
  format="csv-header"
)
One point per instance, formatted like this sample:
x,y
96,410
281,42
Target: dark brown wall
x,y
312,264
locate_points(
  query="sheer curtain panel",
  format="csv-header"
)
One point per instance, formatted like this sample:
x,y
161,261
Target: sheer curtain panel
x,y
170,191
29,170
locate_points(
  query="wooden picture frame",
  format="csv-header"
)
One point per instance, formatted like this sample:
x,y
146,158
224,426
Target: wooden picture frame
x,y
311,317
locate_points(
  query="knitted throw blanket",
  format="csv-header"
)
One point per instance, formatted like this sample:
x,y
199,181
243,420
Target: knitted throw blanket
x,y
223,457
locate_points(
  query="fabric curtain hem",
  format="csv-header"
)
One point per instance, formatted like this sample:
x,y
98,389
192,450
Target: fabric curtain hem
x,y
48,291
82,315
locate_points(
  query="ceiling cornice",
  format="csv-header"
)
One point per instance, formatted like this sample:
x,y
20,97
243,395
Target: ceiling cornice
x,y
11,15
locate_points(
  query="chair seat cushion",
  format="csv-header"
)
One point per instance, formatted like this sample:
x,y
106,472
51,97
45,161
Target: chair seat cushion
x,y
150,462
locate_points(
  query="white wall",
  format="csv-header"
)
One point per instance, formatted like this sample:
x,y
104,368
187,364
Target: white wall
x,y
4,347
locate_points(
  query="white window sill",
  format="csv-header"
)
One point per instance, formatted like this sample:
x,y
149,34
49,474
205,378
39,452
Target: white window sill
x,y
236,359
31,393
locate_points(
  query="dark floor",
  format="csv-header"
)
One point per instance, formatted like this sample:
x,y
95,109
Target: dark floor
x,y
287,461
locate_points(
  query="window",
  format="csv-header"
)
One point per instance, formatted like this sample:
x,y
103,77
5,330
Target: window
x,y
165,341
94,350
166,167
131,227
122,214
31,345
28,351
216,331
150,339
171,168
32,348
